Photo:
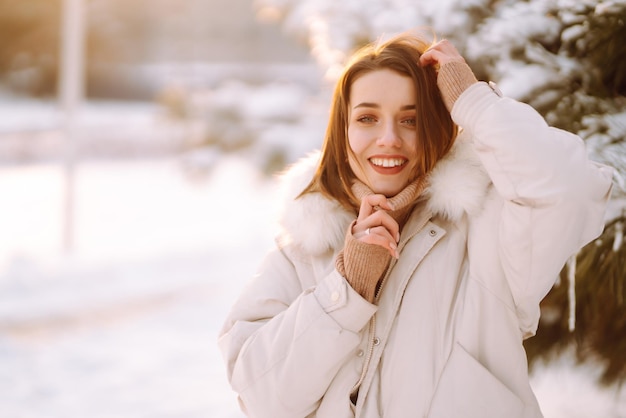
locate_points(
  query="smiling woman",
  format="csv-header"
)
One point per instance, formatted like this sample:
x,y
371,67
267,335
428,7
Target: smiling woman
x,y
416,87
414,249
381,131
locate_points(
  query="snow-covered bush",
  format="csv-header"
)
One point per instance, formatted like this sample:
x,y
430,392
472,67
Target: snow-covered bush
x,y
272,123
565,58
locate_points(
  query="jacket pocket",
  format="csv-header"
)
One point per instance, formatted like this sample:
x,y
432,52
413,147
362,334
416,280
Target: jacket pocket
x,y
467,389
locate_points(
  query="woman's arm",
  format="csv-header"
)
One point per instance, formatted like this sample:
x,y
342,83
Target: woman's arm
x,y
284,344
555,197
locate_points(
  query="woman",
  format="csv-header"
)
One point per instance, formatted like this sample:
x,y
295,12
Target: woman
x,y
415,249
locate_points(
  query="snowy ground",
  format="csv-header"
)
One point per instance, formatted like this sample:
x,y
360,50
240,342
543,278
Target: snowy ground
x,y
125,325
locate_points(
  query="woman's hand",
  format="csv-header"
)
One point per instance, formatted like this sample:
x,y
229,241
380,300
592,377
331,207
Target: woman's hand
x,y
454,76
441,53
375,225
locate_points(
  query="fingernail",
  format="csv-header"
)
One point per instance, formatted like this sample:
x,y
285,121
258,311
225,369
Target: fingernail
x,y
397,255
393,246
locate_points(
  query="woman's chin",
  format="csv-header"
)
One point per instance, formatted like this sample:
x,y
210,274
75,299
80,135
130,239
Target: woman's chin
x,y
387,191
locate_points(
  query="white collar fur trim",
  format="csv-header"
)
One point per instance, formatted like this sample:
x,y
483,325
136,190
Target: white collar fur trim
x,y
458,185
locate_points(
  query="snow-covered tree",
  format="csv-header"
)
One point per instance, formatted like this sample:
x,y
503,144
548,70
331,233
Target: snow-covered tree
x,y
566,58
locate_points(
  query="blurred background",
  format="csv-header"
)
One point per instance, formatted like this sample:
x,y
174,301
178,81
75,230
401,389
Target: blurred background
x,y
139,142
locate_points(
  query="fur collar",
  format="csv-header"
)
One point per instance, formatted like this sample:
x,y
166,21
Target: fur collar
x,y
458,186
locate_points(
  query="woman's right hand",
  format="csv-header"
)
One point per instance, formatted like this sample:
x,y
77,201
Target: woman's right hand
x,y
375,225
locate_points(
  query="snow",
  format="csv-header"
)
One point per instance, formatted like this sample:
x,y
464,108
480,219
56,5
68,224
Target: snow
x,y
17,114
566,390
126,325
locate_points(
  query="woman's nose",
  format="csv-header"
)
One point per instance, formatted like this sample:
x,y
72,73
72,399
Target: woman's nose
x,y
389,136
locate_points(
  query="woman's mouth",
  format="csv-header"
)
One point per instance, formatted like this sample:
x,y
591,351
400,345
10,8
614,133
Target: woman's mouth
x,y
388,165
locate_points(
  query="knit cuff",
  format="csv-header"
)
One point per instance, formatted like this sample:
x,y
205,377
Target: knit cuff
x,y
453,78
362,265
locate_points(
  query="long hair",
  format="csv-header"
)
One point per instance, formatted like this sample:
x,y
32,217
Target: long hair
x,y
435,129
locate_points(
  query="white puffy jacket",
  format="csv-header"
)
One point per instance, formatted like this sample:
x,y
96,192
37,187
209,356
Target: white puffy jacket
x,y
511,202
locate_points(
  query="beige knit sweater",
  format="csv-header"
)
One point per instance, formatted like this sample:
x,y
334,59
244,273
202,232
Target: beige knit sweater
x,y
363,265
453,79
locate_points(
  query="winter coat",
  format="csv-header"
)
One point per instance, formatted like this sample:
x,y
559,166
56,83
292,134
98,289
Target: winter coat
x,y
508,205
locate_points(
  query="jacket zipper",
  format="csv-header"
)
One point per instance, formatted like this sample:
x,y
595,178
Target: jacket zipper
x,y
372,326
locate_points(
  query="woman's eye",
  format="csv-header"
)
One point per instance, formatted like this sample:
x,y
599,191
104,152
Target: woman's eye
x,y
409,122
365,119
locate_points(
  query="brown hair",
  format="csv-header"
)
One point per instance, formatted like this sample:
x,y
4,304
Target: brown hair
x,y
435,129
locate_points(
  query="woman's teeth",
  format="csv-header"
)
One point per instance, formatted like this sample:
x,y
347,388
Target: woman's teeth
x,y
387,162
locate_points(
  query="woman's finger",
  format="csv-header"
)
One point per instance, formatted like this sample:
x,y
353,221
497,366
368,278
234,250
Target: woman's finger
x,y
371,203
379,235
377,217
440,53
383,218
374,225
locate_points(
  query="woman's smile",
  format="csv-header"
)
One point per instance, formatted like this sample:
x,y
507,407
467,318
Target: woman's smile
x,y
388,164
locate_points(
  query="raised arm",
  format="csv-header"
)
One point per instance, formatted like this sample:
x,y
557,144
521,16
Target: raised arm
x,y
554,196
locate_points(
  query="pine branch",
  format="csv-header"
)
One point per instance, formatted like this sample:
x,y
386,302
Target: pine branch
x,y
600,333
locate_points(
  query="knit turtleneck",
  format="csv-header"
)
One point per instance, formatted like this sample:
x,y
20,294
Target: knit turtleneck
x,y
363,264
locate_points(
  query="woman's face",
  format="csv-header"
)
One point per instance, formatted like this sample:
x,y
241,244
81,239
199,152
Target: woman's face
x,y
381,131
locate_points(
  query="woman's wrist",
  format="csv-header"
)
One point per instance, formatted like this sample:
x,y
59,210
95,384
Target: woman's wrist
x,y
453,79
362,265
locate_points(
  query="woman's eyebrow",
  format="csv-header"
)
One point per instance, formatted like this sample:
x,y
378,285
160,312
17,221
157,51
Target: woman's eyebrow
x,y
377,106
366,104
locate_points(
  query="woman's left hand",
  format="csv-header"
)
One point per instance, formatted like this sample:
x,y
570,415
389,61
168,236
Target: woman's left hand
x,y
440,53
454,76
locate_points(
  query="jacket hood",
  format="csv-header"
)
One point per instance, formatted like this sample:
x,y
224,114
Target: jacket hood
x,y
457,186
